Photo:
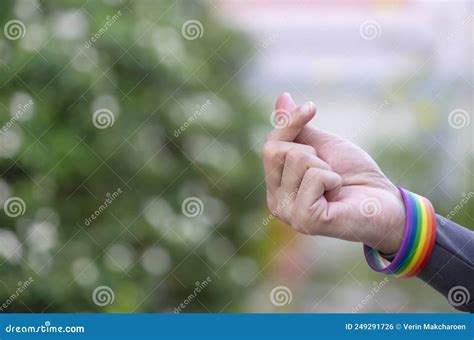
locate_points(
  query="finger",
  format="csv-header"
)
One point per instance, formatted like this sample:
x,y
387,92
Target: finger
x,y
285,102
315,183
311,197
274,156
297,162
315,137
289,123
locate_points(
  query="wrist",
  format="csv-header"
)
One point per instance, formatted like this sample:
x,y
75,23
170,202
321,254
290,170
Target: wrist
x,y
386,233
417,242
395,229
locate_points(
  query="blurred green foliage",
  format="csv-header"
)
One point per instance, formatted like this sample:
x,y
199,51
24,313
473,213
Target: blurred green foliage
x,y
152,79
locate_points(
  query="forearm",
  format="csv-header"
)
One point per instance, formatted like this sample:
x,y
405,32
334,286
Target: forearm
x,y
450,268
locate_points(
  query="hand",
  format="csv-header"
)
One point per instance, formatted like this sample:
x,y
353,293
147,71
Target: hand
x,y
322,184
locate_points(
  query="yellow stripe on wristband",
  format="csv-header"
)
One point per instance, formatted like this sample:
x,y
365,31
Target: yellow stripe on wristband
x,y
417,252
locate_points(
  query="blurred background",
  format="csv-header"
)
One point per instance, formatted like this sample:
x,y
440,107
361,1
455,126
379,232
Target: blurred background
x,y
131,178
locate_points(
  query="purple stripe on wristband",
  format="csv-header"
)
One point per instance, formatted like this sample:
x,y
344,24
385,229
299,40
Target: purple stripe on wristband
x,y
392,266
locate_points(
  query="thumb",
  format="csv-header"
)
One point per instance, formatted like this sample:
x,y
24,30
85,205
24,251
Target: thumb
x,y
317,138
288,119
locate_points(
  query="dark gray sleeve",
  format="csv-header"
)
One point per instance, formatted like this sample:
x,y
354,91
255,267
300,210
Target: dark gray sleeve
x,y
450,269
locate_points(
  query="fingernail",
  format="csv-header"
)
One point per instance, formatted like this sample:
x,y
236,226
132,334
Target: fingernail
x,y
307,108
288,97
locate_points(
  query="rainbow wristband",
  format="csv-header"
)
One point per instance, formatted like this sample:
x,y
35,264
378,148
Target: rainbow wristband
x,y
417,243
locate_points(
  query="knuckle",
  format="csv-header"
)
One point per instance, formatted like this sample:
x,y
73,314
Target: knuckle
x,y
326,220
295,155
283,211
270,149
310,150
313,174
309,211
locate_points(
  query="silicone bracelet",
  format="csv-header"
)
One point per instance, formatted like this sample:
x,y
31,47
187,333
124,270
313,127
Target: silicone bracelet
x,y
417,243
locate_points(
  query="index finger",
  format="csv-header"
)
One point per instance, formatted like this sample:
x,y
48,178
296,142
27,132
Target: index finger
x,y
288,119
